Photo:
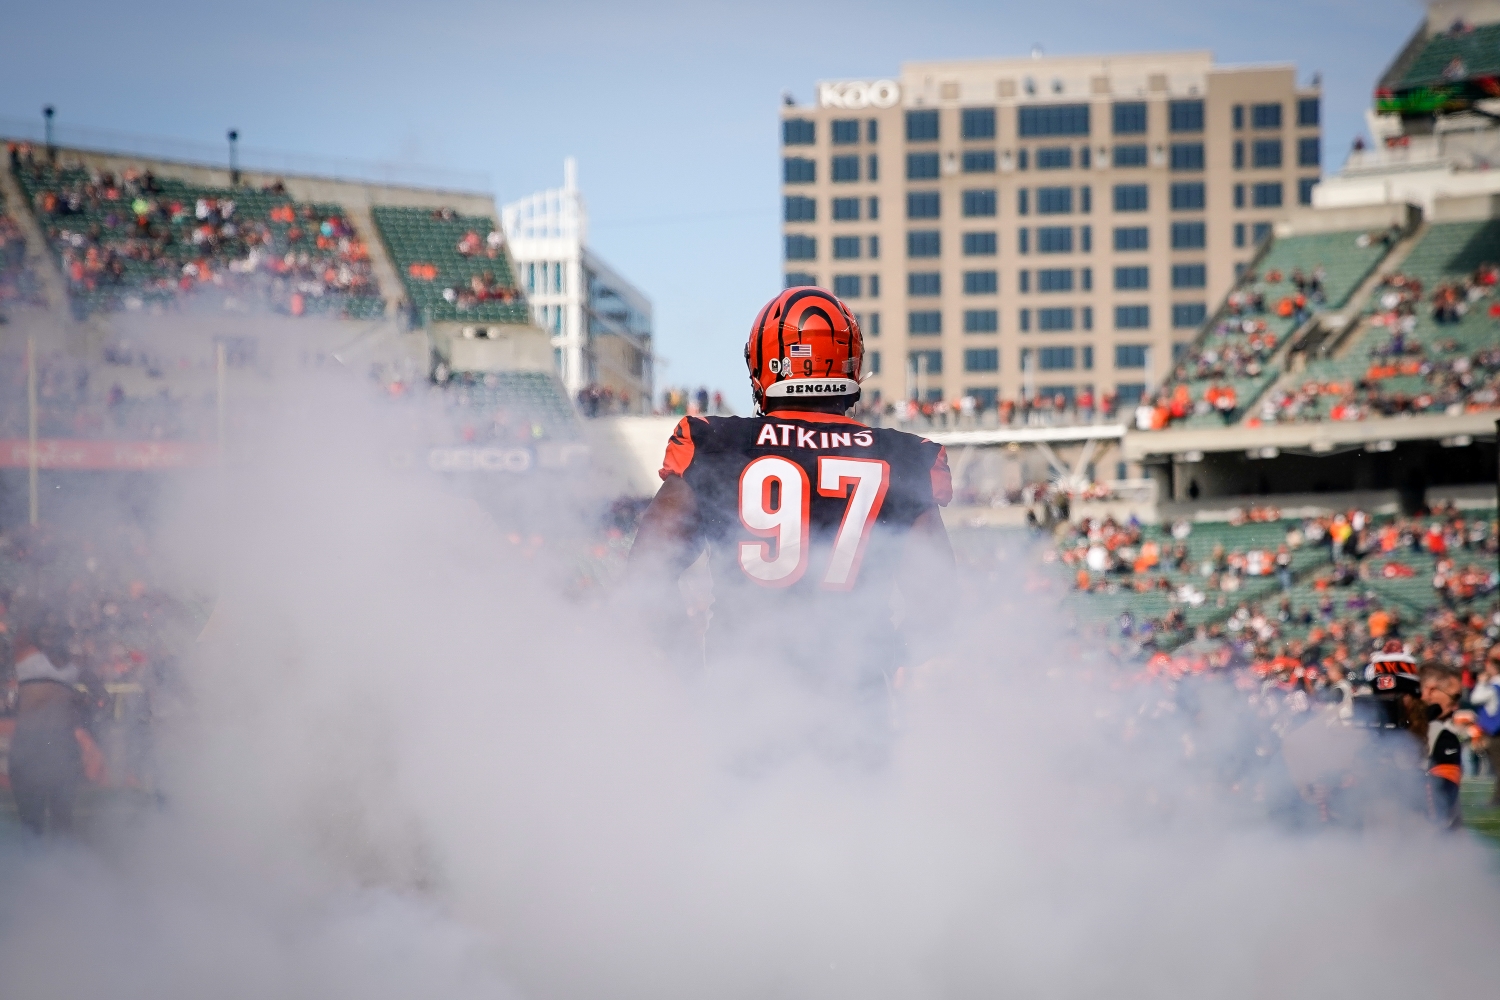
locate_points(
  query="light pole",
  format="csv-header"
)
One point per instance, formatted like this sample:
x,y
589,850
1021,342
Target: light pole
x,y
234,164
47,112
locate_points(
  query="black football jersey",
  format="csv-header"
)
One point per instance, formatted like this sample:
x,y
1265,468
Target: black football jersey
x,y
805,515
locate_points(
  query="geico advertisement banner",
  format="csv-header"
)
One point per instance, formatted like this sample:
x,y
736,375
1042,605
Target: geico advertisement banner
x,y
506,460
87,455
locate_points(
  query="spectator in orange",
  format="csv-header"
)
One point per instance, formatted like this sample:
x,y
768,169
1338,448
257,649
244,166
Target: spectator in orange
x,y
1379,623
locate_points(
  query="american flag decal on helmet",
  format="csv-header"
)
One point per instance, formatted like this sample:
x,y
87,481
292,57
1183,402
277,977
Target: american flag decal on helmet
x,y
800,350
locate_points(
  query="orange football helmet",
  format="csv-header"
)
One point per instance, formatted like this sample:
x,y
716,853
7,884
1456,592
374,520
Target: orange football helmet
x,y
804,344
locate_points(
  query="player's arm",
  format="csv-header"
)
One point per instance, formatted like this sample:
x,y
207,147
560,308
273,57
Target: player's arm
x,y
667,540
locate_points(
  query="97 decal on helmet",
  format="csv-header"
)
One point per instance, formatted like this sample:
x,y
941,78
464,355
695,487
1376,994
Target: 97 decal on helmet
x,y
804,344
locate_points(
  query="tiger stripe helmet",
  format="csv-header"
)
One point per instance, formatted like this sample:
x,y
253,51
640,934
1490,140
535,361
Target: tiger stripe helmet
x,y
804,344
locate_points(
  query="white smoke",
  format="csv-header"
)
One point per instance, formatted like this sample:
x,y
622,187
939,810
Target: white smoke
x,y
407,766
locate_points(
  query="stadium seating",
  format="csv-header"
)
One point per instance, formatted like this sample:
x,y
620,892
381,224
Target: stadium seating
x,y
511,407
1345,263
1476,50
424,246
132,242
17,282
1446,253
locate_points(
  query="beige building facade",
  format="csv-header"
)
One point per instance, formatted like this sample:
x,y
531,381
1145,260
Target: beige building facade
x,y
1046,225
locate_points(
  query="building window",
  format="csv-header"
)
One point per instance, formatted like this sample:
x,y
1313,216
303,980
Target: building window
x,y
846,247
845,131
1023,240
1132,317
1239,234
798,170
980,245
1265,153
1266,195
1088,317
1085,199
1260,233
1132,238
1051,320
875,294
845,209
1307,111
1054,280
1054,119
924,283
847,286
1188,314
981,282
1054,239
798,132
1309,151
978,123
845,169
921,126
873,169
1185,116
1023,201
1265,116
874,247
872,130
1188,197
1023,280
981,321
1132,278
872,326
1131,197
924,324
930,362
1084,157
1187,156
1189,235
799,209
1052,359
979,161
1130,156
1025,320
874,209
1130,355
801,248
923,243
921,166
1086,237
1130,118
1237,116
797,279
979,203
981,359
985,398
1305,189
1128,394
1054,158
1054,201
1189,275
1022,159
1239,155
874,362
922,205
1239,196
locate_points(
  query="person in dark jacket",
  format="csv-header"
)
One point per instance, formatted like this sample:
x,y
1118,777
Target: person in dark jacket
x,y
46,763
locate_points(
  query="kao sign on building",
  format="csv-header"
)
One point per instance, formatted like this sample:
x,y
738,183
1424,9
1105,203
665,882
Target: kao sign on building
x,y
854,95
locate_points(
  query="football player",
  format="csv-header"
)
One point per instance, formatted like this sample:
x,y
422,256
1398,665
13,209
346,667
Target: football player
x,y
812,520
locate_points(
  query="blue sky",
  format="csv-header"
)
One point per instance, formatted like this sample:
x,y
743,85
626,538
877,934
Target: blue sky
x,y
670,108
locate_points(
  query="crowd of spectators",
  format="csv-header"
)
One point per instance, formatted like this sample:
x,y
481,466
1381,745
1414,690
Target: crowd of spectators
x,y
18,284
77,400
1043,409
602,401
126,629
132,240
681,401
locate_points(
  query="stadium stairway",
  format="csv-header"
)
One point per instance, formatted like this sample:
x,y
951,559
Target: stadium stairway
x,y
55,319
391,285
1294,365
